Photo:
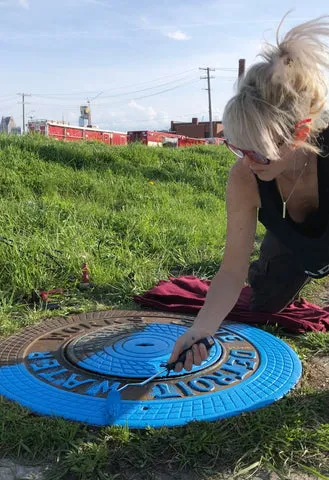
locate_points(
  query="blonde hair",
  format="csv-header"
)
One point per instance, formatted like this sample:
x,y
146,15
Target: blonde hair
x,y
288,86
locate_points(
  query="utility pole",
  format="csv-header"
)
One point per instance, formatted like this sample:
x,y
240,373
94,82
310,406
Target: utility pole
x,y
89,109
89,124
242,67
208,70
23,95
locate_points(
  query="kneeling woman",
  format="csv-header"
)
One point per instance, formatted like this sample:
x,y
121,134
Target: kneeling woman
x,y
277,125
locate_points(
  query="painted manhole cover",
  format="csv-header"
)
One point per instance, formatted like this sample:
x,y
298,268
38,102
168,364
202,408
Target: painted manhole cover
x,y
67,367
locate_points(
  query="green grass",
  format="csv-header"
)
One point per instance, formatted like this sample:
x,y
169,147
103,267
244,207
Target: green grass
x,y
137,215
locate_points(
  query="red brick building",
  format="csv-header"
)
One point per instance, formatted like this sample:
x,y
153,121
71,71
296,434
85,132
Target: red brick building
x,y
196,129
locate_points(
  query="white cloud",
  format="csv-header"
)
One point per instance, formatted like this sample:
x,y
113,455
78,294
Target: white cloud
x,y
149,111
24,4
178,35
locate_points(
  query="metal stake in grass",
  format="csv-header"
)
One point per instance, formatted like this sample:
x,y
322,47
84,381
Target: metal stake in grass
x,y
113,401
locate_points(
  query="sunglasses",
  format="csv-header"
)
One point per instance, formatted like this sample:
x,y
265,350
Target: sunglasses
x,y
300,131
239,152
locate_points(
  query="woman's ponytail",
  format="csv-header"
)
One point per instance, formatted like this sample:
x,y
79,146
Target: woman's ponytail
x,y
287,87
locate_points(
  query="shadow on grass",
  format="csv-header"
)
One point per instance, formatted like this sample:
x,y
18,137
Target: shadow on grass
x,y
121,296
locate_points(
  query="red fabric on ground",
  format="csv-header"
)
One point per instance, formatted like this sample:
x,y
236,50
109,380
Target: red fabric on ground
x,y
187,294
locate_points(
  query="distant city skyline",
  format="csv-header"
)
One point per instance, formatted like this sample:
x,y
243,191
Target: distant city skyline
x,y
141,60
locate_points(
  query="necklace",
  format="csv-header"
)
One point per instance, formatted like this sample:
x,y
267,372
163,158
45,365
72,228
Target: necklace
x,y
284,202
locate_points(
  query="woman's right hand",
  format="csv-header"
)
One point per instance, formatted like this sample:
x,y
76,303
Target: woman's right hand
x,y
197,353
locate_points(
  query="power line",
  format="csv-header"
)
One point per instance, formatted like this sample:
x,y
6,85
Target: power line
x,y
6,98
82,93
227,77
110,104
121,88
75,103
147,96
116,94
144,89
168,89
226,69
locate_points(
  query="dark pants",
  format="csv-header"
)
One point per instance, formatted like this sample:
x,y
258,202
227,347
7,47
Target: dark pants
x,y
276,277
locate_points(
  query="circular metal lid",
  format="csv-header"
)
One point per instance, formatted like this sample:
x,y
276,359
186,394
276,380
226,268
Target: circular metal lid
x,y
133,353
69,367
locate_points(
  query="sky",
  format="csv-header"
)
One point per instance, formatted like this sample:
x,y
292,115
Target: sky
x,y
137,61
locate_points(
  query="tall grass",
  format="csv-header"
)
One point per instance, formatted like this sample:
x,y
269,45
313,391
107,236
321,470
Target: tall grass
x,y
137,214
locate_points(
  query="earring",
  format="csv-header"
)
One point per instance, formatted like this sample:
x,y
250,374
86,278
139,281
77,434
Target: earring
x,y
301,134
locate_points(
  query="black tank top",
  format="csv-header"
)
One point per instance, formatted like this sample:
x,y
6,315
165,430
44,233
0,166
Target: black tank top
x,y
309,240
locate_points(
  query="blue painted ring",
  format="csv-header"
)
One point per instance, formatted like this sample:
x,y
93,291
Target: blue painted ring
x,y
249,369
139,355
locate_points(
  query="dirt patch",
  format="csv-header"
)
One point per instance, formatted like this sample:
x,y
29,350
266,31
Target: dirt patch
x,y
316,373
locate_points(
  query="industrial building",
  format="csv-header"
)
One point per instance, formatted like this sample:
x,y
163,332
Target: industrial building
x,y
196,129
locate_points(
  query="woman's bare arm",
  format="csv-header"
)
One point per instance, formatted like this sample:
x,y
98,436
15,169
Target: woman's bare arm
x,y
242,200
